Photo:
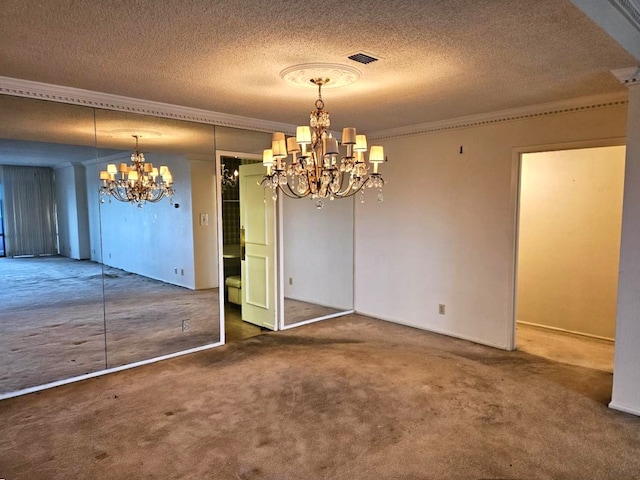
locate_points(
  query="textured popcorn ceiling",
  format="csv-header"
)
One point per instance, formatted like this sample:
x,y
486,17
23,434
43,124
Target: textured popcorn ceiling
x,y
439,59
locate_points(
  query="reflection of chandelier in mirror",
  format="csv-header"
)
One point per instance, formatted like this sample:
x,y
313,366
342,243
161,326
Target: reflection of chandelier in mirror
x,y
315,170
138,182
228,179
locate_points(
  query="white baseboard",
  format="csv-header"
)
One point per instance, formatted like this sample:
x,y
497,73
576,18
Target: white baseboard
x,y
563,330
314,320
433,330
99,373
624,408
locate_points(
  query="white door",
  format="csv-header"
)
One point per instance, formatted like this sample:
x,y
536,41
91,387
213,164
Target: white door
x,y
258,248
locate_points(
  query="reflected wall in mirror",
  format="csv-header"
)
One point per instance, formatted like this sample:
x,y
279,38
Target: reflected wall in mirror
x,y
318,259
61,317
160,259
51,303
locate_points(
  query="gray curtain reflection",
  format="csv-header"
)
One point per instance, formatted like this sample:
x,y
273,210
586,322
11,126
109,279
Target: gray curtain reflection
x,y
51,315
29,211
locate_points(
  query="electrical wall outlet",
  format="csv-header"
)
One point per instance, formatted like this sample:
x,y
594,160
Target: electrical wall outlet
x,y
290,280
441,309
186,325
182,271
175,270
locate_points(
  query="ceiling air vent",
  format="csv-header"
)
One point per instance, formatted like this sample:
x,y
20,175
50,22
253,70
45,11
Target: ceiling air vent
x,y
362,58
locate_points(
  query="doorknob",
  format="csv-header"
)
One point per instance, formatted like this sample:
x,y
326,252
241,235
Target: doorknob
x,y
242,244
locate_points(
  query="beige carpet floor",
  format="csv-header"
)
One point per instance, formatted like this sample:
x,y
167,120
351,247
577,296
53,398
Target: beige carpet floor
x,y
566,347
348,398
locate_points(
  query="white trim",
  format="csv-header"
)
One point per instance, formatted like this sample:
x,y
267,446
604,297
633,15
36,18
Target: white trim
x,y
433,330
219,223
564,330
630,9
517,153
108,101
314,320
514,199
514,114
627,76
624,408
76,96
106,371
313,302
279,207
618,18
219,154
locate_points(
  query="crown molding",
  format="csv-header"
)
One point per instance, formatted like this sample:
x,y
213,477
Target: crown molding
x,y
619,18
511,115
628,76
630,9
76,96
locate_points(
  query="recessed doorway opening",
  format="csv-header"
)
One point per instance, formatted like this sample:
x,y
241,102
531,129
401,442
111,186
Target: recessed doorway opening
x,y
235,327
569,226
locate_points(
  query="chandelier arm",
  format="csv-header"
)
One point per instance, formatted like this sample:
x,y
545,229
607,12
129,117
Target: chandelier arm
x,y
291,192
350,191
118,194
295,193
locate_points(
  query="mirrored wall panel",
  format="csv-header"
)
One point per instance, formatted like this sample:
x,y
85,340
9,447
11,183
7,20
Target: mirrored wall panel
x,y
90,282
160,257
84,285
318,258
51,301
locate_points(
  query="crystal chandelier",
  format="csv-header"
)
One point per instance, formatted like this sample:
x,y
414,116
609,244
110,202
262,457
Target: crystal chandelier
x,y
138,182
228,179
315,170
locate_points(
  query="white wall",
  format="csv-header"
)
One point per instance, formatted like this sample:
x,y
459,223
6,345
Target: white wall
x,y
157,239
445,233
91,173
318,252
569,239
71,205
84,243
205,236
626,369
66,211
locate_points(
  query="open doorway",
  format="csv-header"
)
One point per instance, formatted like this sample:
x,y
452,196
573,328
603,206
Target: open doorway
x,y
235,328
569,226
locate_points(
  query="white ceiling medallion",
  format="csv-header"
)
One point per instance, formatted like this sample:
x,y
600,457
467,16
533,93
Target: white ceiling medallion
x,y
338,75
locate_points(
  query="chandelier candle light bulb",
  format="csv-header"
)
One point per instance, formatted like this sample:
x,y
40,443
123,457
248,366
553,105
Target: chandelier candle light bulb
x,y
316,170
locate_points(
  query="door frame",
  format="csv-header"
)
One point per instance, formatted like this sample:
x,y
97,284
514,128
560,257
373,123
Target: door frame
x,y
516,175
221,285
